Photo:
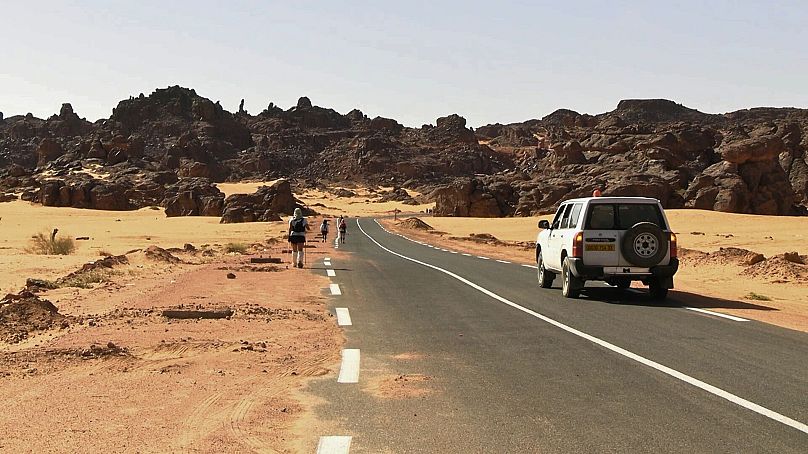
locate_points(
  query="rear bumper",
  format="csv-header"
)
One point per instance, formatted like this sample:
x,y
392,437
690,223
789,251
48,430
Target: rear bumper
x,y
579,269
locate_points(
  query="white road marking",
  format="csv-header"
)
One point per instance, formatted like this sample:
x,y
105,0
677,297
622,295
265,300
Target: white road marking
x,y
349,369
503,261
749,405
484,258
334,444
453,252
335,289
326,259
717,314
327,263
343,316
467,255
445,250
530,266
330,272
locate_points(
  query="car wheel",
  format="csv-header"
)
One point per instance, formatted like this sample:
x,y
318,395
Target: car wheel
x,y
570,285
657,291
644,244
546,278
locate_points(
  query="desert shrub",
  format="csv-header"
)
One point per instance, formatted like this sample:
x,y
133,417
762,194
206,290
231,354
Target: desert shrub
x,y
47,244
239,248
87,279
757,297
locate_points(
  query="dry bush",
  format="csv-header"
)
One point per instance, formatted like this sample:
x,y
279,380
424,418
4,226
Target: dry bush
x,y
239,248
47,244
87,279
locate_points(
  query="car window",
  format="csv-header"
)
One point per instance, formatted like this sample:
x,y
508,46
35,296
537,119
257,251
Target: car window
x,y
601,217
575,214
557,219
629,214
623,216
565,219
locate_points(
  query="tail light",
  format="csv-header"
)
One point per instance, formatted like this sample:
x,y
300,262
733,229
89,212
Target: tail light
x,y
578,245
674,246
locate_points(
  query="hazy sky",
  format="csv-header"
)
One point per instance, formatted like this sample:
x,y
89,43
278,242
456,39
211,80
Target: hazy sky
x,y
491,61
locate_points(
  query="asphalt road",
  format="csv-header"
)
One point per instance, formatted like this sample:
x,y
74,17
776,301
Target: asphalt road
x,y
516,368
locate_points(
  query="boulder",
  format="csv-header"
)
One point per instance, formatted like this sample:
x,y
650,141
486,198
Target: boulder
x,y
266,204
193,197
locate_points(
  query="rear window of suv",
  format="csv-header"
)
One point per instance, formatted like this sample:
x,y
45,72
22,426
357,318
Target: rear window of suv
x,y
622,216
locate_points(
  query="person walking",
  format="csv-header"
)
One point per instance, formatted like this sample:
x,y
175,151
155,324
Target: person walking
x,y
342,226
324,231
298,225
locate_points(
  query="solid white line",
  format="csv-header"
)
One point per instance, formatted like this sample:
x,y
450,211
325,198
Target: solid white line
x,y
334,444
335,289
349,369
717,314
330,272
343,316
503,261
802,427
484,258
530,266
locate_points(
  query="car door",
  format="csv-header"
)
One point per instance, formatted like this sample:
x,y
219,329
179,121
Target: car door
x,y
601,236
557,233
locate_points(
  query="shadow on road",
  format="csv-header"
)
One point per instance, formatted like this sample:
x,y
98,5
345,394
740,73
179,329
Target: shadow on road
x,y
676,298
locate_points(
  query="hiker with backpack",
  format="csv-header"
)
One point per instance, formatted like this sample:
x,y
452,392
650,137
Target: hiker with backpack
x,y
298,226
324,230
342,227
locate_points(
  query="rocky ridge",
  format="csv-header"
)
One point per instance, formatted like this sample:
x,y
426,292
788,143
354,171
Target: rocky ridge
x,y
171,147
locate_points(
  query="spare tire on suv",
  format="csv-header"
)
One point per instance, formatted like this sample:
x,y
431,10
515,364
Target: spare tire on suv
x,y
644,244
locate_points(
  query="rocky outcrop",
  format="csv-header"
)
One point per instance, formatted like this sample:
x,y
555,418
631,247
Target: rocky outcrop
x,y
474,198
266,204
751,161
193,197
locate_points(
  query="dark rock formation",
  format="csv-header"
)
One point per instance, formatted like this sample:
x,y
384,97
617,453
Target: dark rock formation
x,y
266,204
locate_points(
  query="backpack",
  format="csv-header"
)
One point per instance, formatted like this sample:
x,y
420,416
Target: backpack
x,y
342,225
299,225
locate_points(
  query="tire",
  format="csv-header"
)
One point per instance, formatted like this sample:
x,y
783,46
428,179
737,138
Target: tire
x,y
644,244
658,291
570,285
546,278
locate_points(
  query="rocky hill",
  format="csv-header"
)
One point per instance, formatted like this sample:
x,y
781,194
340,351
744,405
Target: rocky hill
x,y
169,148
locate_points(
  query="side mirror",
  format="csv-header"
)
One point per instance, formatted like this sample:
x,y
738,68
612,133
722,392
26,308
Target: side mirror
x,y
544,224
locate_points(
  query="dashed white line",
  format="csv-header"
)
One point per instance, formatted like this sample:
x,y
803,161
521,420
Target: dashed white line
x,y
467,255
530,266
334,444
749,405
343,316
330,272
335,290
484,258
349,369
717,314
503,261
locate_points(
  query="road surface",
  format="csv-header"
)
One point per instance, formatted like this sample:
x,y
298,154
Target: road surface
x,y
516,368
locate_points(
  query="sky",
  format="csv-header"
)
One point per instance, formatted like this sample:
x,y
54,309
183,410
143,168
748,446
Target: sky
x,y
415,61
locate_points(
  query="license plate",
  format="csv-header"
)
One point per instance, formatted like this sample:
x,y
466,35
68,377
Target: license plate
x,y
599,247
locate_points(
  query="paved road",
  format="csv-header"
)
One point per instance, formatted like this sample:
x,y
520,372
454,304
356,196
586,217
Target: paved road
x,y
547,374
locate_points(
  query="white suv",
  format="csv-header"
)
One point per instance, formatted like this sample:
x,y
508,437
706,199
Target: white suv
x,y
612,239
